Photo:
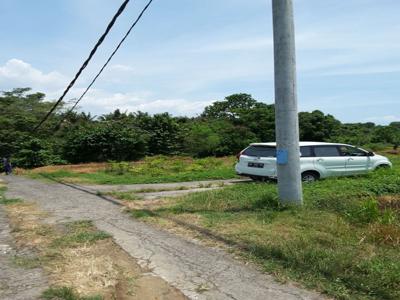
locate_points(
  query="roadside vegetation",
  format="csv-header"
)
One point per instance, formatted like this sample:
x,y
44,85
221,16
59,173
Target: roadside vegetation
x,y
223,129
344,242
156,169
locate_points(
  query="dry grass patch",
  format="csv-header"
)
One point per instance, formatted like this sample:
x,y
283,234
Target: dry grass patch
x,y
26,226
78,168
136,203
155,169
389,202
82,261
388,234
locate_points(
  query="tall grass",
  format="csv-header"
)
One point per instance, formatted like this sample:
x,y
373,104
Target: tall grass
x,y
344,241
156,169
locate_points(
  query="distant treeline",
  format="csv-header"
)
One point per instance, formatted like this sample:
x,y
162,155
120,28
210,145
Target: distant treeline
x,y
224,128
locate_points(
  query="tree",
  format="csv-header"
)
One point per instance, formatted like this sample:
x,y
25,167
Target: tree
x,y
36,153
260,120
242,110
20,112
164,132
316,126
232,139
201,140
105,141
387,134
230,107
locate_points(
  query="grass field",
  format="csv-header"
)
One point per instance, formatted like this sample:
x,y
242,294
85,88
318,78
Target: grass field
x,y
344,242
157,169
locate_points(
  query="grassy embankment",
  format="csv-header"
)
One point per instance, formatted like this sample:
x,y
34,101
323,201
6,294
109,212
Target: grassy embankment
x,y
344,242
157,169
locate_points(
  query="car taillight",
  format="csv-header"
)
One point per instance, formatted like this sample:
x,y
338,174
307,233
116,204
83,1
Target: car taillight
x,y
238,155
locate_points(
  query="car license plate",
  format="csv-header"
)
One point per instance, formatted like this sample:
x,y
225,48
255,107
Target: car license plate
x,y
255,165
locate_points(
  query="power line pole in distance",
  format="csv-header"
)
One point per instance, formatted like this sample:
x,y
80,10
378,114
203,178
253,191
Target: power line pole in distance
x,y
286,114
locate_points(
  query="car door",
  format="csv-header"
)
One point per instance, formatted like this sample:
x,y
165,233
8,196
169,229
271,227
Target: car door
x,y
307,158
357,160
329,161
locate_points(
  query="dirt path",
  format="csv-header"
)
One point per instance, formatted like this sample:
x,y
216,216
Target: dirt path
x,y
199,272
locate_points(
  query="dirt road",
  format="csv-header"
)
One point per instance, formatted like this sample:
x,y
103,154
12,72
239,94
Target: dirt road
x,y
199,272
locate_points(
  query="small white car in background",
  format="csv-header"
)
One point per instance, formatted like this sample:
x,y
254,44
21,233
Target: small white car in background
x,y
317,160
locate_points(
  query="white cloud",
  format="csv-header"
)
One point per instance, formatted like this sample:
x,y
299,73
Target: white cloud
x,y
17,73
99,102
383,119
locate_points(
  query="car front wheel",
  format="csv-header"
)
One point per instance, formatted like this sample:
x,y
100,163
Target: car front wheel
x,y
380,167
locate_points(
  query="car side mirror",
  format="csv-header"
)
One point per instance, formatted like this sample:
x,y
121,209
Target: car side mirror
x,y
370,153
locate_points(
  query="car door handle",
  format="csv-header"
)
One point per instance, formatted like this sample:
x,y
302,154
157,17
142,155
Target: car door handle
x,y
350,158
319,160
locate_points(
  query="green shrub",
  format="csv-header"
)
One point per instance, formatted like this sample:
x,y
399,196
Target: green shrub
x,y
65,293
36,153
105,141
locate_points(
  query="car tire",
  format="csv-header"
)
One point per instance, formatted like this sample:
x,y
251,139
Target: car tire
x,y
309,176
258,178
380,167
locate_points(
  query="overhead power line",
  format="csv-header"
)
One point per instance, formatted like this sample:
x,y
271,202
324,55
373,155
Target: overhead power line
x,y
85,64
108,60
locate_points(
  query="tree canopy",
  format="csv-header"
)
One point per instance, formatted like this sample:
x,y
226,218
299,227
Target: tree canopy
x,y
223,128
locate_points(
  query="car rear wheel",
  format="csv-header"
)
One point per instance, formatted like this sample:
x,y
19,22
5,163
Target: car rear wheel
x,y
258,178
309,176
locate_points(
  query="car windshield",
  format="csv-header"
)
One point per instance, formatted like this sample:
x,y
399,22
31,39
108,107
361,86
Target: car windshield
x,y
260,151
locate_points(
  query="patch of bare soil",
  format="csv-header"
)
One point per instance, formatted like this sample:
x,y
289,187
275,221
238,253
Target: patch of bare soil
x,y
90,268
389,202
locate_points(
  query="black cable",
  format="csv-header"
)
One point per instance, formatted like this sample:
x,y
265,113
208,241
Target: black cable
x,y
107,62
99,42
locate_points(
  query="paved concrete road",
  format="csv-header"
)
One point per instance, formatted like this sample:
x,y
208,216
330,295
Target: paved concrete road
x,y
199,272
16,283
157,186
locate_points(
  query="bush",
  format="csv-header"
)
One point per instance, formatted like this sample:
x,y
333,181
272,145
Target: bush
x,y
36,153
105,141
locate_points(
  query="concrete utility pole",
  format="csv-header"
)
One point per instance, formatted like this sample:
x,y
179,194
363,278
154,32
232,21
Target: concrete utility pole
x,y
286,115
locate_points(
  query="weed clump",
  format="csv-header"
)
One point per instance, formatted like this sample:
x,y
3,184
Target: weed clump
x,y
65,293
6,201
80,232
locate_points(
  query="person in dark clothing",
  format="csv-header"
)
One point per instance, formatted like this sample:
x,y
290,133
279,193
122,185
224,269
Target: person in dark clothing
x,y
7,166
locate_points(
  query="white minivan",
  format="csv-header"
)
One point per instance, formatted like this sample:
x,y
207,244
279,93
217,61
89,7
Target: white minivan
x,y
317,160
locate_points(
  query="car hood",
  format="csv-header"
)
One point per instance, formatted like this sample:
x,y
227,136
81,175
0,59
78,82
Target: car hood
x,y
380,157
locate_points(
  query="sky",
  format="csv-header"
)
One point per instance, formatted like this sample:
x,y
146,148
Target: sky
x,y
186,54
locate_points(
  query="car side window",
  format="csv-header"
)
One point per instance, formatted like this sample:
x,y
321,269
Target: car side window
x,y
260,151
351,151
306,151
326,151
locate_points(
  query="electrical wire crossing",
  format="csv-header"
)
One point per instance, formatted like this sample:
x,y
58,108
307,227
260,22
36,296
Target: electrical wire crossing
x,y
107,62
85,64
